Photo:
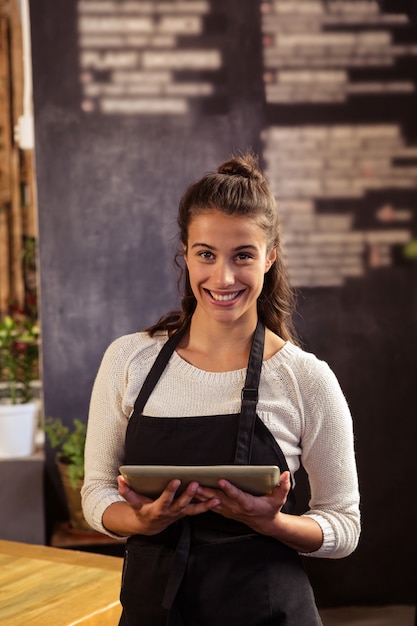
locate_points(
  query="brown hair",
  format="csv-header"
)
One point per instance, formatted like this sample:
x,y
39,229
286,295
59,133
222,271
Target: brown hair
x,y
237,188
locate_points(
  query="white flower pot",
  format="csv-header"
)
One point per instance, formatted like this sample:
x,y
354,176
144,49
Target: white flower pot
x,y
17,429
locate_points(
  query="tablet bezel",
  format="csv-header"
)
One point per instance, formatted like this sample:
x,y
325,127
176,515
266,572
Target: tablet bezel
x,y
151,480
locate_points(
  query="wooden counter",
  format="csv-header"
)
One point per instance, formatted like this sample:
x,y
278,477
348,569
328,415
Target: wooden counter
x,y
43,586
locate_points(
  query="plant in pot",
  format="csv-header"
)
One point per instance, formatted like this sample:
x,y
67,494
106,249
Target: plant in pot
x,y
19,368
68,445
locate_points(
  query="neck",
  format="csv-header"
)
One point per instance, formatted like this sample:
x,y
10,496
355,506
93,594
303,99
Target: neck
x,y
216,346
206,331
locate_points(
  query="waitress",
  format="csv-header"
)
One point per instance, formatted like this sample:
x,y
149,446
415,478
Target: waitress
x,y
222,381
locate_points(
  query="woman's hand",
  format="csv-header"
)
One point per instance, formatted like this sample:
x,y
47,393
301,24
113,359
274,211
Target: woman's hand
x,y
257,512
141,515
264,514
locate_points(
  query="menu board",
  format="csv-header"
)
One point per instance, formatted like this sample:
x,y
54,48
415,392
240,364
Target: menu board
x,y
139,57
344,165
328,170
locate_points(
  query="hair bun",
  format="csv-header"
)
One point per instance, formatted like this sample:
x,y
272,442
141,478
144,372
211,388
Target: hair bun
x,y
246,166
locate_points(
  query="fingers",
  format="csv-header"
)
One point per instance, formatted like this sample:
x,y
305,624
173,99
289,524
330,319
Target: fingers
x,y
225,487
279,494
183,500
283,488
169,507
284,484
128,494
189,505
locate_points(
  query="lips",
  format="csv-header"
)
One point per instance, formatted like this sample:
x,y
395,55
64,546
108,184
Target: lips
x,y
224,297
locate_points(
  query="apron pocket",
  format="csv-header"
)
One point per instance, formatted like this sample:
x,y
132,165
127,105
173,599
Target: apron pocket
x,y
247,579
226,583
145,571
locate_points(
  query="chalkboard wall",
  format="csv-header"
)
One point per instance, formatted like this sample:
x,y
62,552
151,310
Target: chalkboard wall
x,y
110,174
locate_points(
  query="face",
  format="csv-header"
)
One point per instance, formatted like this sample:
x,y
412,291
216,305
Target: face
x,y
227,259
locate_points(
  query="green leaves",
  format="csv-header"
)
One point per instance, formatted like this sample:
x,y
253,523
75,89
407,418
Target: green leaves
x,y
69,445
19,354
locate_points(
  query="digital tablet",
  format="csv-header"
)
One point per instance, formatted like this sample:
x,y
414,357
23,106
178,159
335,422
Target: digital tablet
x,y
151,480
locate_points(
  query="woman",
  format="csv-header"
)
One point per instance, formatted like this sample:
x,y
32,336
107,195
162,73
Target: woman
x,y
217,557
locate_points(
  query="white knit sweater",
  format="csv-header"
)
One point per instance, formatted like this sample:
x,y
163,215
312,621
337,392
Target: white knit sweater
x,y
300,401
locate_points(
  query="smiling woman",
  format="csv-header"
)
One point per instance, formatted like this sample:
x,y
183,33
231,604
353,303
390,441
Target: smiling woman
x,y
222,382
227,258
239,191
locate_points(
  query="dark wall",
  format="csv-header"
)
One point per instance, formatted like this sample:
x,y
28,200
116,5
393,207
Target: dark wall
x,y
367,333
108,188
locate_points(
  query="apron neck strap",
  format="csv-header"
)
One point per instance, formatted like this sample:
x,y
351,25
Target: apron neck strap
x,y
250,398
157,369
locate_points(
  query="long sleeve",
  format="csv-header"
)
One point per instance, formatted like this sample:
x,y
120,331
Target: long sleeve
x,y
329,459
107,423
302,404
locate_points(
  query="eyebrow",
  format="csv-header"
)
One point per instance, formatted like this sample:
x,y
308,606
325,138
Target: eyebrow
x,y
199,244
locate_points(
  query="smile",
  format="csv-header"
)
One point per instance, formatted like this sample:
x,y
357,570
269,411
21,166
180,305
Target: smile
x,y
224,297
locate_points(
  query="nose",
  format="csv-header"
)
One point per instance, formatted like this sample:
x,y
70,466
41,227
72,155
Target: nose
x,y
223,275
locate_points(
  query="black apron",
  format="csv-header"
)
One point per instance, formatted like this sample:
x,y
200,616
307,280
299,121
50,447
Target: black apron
x,y
208,570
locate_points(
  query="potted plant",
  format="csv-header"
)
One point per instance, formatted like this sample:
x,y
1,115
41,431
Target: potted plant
x,y
68,445
19,368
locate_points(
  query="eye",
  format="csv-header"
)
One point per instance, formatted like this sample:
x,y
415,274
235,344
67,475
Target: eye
x,y
206,255
243,256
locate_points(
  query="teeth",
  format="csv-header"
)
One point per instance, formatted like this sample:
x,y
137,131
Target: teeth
x,y
225,298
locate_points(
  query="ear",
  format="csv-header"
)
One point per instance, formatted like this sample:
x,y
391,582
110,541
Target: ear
x,y
184,248
270,259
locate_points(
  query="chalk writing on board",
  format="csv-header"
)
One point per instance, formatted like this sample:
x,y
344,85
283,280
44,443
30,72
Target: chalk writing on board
x,y
320,53
136,57
308,50
312,163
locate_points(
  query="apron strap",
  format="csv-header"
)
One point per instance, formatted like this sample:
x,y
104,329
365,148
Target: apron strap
x,y
250,398
157,369
178,566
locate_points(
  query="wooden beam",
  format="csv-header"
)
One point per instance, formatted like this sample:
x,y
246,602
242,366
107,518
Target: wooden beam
x,y
17,176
